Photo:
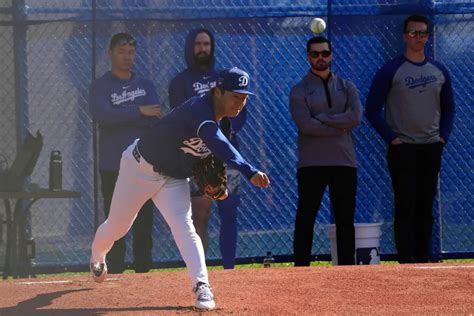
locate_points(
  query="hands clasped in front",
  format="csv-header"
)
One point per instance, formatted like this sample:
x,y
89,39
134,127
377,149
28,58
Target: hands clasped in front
x,y
151,110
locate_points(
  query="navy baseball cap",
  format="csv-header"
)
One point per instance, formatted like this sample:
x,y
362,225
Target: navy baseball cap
x,y
235,80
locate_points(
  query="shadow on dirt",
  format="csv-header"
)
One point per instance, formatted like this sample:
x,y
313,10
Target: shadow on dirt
x,y
38,306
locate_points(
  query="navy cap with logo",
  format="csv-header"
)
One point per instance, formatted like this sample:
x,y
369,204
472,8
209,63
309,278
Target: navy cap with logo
x,y
235,80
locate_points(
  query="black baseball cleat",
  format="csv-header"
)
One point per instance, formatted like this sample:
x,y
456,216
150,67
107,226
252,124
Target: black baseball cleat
x,y
204,296
98,271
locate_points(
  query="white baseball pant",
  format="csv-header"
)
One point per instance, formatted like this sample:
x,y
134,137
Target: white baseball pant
x,y
136,184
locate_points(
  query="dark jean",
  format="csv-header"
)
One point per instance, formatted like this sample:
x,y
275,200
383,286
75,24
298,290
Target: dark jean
x,y
142,230
312,182
414,170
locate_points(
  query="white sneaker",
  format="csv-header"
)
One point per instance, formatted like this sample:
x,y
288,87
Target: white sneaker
x,y
98,271
204,296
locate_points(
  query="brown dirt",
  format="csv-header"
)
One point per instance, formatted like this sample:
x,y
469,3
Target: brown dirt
x,y
378,289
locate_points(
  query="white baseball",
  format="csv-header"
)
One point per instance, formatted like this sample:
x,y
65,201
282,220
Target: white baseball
x,y
317,25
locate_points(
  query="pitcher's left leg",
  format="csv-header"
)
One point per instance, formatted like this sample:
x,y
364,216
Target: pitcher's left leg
x,y
173,201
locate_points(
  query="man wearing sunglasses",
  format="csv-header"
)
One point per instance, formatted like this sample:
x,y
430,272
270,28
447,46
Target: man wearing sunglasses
x,y
415,94
325,109
125,106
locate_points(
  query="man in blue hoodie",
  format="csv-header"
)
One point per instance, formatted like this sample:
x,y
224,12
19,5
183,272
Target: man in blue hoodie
x,y
125,106
196,80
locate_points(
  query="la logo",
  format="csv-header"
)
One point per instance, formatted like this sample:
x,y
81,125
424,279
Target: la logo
x,y
243,81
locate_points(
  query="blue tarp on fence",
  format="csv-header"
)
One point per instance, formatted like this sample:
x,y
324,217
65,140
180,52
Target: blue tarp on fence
x,y
51,50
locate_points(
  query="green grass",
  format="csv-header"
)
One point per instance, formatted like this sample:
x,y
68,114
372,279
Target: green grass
x,y
243,266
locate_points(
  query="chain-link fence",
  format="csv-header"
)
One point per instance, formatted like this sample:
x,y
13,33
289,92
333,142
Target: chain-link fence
x,y
51,50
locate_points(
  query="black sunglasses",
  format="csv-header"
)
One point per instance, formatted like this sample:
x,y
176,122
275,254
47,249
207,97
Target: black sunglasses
x,y
315,54
126,41
122,41
414,34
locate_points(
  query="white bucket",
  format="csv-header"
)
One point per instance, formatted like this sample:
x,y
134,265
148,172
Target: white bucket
x,y
367,242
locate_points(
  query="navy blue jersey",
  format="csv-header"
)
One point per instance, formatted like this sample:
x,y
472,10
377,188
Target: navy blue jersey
x,y
189,133
114,105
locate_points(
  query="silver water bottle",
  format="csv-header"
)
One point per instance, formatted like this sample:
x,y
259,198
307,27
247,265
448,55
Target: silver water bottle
x,y
55,171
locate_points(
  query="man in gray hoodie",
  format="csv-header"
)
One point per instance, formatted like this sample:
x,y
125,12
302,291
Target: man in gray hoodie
x,y
325,108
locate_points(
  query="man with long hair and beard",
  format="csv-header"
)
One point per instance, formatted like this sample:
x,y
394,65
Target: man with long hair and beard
x,y
325,109
199,78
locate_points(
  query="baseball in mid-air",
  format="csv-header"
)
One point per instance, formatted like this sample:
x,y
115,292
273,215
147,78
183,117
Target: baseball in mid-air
x,y
317,25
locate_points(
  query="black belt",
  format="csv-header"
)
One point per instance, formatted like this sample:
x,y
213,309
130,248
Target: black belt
x,y
137,156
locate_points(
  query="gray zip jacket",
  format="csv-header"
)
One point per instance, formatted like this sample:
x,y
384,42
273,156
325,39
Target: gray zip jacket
x,y
324,114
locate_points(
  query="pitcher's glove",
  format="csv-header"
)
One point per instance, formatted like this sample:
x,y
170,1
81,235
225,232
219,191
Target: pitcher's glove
x,y
211,178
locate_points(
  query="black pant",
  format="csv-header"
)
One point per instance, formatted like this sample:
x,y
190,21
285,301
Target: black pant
x,y
312,182
414,170
142,227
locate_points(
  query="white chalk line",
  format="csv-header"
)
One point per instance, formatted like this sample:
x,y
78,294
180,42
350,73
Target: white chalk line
x,y
58,282
47,282
446,267
115,279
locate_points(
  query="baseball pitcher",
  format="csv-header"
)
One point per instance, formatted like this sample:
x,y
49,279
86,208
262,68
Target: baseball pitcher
x,y
158,166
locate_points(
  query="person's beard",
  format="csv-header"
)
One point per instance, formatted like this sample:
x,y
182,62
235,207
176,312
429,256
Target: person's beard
x,y
322,66
203,60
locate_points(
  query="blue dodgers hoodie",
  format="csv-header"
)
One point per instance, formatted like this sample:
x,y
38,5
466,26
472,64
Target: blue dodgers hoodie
x,y
195,81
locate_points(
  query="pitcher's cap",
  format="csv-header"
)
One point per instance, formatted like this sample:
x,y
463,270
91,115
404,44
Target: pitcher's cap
x,y
235,80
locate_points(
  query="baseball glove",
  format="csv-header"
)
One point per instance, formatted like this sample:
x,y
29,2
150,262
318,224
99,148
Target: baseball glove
x,y
211,178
